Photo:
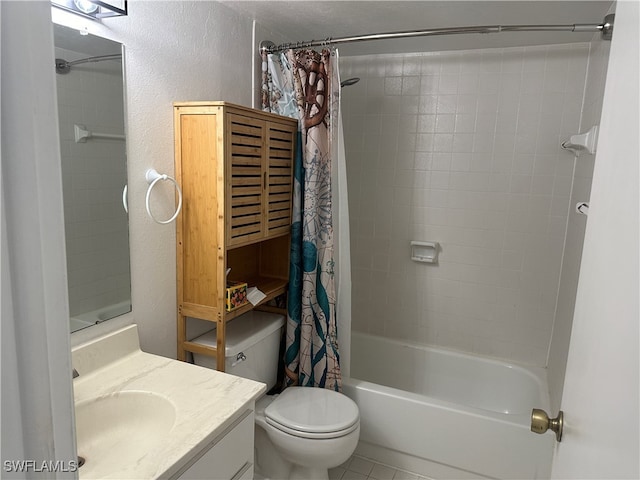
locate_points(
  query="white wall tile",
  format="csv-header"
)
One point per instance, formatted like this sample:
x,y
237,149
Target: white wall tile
x,y
480,171
562,207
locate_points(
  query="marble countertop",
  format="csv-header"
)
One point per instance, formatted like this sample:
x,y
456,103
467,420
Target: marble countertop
x,y
206,402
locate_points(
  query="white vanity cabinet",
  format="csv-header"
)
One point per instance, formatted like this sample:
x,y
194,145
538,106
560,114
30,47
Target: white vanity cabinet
x,y
227,457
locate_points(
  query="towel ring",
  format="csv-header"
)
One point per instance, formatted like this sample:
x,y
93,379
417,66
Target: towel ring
x,y
154,177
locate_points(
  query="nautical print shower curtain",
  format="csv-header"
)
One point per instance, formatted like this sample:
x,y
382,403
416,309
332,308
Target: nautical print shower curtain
x,y
304,84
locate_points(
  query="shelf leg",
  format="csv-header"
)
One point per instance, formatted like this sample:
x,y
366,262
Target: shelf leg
x,y
182,337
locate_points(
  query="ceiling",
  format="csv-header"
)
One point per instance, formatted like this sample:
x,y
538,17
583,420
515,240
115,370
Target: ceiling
x,y
299,20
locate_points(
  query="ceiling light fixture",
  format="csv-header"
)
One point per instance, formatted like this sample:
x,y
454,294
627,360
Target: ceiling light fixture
x,y
95,9
86,6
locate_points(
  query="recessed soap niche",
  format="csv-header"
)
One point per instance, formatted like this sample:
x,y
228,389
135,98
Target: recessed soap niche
x,y
424,252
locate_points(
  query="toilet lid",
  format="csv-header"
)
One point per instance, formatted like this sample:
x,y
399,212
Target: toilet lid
x,y
313,410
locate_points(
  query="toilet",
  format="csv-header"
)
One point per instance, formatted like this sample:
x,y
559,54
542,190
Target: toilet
x,y
300,433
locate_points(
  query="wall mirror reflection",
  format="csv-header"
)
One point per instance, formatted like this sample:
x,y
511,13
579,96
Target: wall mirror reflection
x,y
90,87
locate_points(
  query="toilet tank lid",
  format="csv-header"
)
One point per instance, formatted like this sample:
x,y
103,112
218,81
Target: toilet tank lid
x,y
244,331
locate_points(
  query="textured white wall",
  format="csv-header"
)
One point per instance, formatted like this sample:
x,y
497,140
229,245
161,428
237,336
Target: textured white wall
x,y
174,51
462,148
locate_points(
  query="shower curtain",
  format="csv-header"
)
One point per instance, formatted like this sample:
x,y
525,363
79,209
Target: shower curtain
x,y
304,84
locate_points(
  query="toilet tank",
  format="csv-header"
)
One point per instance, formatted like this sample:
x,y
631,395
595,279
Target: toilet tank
x,y
252,346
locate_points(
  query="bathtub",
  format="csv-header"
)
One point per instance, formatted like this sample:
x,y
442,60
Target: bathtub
x,y
445,414
86,319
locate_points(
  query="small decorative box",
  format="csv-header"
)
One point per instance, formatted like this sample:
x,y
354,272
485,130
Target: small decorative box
x,y
236,295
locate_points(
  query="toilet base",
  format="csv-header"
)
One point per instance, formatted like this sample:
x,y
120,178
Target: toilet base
x,y
268,463
299,472
277,460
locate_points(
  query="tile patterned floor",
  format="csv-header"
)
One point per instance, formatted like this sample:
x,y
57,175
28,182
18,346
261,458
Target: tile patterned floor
x,y
358,468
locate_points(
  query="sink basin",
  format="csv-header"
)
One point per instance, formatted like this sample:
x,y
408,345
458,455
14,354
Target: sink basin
x,y
120,428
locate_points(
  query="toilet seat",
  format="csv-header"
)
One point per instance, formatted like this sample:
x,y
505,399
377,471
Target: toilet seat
x,y
310,435
313,413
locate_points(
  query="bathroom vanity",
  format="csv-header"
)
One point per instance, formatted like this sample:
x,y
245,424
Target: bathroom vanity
x,y
145,416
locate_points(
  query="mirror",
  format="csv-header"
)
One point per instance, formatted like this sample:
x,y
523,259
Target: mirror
x,y
90,88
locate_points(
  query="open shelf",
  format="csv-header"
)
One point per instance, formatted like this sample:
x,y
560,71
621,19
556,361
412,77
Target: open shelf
x,y
271,287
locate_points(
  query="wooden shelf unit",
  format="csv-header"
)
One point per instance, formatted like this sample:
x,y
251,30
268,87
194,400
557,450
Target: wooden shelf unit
x,y
235,167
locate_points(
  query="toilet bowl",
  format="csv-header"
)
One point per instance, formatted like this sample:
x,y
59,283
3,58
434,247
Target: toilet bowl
x,y
300,433
311,429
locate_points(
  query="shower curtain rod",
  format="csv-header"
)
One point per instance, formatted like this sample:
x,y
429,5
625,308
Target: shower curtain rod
x,y
606,27
62,66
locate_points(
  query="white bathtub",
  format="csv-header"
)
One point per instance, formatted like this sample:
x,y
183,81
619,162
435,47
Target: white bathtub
x,y
87,319
445,414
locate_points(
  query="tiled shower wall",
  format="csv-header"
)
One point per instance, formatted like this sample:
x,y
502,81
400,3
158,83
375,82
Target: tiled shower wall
x,y
583,175
93,176
462,148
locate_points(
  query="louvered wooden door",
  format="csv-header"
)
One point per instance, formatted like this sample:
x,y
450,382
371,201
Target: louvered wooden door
x,y
245,179
279,181
259,185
